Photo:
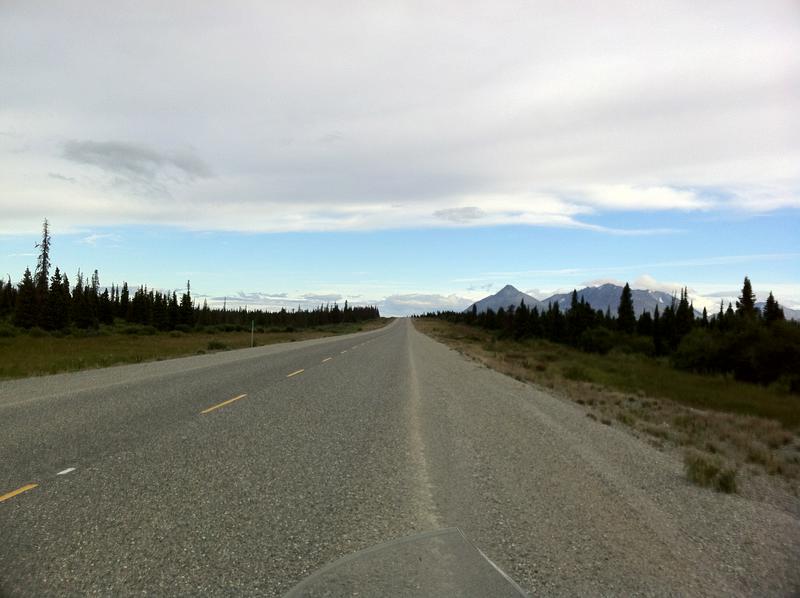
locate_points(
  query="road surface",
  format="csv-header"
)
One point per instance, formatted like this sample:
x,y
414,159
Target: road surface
x,y
242,472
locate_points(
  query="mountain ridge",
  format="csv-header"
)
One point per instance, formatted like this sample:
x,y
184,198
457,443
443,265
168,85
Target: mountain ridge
x,y
601,297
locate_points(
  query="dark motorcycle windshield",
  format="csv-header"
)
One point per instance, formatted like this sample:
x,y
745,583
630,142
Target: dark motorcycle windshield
x,y
438,563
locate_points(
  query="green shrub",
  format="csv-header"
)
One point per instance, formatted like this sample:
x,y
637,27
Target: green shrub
x,y
596,340
177,334
8,331
143,330
577,373
37,332
214,345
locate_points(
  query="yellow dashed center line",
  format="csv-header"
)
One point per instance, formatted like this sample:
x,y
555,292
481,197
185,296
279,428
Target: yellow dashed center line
x,y
223,404
295,373
327,359
13,493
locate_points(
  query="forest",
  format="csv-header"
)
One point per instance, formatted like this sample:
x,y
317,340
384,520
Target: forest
x,y
50,302
751,344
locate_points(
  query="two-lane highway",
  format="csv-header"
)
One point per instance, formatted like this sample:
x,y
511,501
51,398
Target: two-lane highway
x,y
242,472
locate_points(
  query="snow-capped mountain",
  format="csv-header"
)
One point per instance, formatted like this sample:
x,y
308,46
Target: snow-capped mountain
x,y
505,297
607,297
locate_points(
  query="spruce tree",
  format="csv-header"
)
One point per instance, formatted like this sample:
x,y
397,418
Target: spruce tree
x,y
66,299
124,303
187,309
626,318
56,315
746,305
684,315
105,309
8,298
772,310
25,310
41,275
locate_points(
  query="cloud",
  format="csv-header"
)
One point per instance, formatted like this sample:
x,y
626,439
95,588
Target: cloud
x,y
645,281
251,297
460,215
61,177
96,238
418,303
624,197
134,163
402,118
325,298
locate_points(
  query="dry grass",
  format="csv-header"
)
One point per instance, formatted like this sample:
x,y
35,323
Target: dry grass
x,y
752,428
708,470
32,355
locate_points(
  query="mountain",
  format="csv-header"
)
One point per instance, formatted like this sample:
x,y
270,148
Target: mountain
x,y
505,297
603,297
607,297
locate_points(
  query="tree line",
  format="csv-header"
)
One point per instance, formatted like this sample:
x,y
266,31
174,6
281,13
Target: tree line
x,y
51,302
752,344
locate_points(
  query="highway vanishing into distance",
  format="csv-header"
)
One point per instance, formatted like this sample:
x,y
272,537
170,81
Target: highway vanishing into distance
x,y
240,473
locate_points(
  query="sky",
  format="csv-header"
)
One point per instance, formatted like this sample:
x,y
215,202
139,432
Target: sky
x,y
415,156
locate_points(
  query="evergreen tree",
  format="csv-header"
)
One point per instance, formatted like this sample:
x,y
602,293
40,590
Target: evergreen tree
x,y
746,305
105,309
173,311
25,311
81,310
125,303
186,316
66,298
684,316
729,318
8,298
626,318
772,310
41,275
645,324
521,315
658,335
56,311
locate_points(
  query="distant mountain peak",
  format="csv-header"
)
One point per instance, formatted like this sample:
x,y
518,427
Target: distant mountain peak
x,y
508,296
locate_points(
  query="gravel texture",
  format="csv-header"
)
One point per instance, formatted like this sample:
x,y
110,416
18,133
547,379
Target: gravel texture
x,y
396,435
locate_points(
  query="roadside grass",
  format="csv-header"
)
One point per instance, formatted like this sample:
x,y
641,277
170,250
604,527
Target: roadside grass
x,y
709,471
734,425
40,353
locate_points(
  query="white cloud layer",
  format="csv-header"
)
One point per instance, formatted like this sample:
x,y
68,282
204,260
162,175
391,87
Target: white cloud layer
x,y
281,117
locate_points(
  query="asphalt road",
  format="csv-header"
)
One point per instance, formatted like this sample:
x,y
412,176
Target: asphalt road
x,y
334,445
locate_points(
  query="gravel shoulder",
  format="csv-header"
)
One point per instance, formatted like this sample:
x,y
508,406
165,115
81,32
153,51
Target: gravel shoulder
x,y
570,506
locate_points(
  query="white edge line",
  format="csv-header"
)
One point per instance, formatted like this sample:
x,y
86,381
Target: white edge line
x,y
66,471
